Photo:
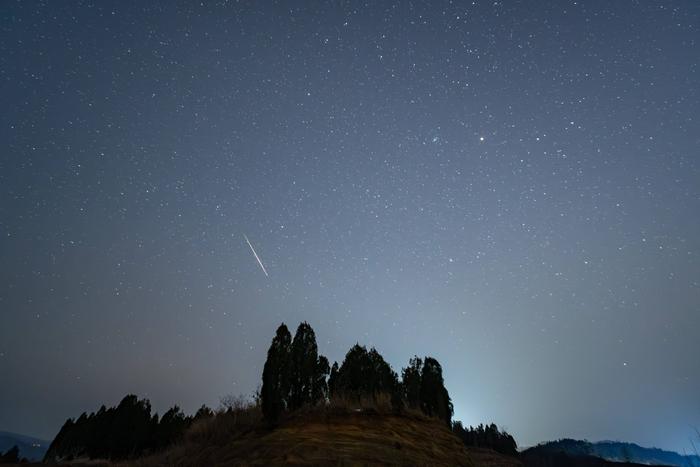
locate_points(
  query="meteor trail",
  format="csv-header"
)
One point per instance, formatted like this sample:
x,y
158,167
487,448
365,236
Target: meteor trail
x,y
256,255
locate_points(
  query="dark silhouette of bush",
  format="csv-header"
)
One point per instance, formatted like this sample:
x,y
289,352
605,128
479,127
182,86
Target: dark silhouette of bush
x,y
203,412
237,416
486,437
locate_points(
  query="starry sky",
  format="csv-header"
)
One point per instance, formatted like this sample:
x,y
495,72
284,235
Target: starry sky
x,y
510,187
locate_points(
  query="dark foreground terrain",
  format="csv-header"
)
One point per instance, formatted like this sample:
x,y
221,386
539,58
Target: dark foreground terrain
x,y
344,439
341,438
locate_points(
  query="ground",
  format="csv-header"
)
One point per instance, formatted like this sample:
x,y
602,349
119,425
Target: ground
x,y
356,439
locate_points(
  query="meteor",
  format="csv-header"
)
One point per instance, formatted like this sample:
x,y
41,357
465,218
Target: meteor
x,y
256,255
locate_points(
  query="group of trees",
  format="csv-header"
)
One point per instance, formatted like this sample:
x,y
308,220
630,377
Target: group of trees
x,y
424,388
363,374
486,437
121,432
295,375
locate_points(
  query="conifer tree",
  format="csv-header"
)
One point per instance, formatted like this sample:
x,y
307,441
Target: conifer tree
x,y
435,400
303,366
275,386
411,382
333,380
364,374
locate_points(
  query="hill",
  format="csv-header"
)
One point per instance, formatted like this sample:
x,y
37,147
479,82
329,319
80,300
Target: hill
x,y
308,412
560,459
351,438
613,451
29,447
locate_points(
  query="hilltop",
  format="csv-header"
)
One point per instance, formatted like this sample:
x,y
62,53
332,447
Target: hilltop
x,y
359,438
307,412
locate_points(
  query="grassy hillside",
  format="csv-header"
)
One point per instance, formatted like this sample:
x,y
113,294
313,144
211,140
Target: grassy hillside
x,y
330,438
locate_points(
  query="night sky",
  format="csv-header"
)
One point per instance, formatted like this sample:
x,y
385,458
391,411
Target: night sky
x,y
510,187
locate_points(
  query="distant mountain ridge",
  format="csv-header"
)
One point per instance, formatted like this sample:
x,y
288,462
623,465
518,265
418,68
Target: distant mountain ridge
x,y
31,448
618,452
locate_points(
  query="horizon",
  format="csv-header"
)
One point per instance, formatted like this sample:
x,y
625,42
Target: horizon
x,y
161,407
513,190
217,405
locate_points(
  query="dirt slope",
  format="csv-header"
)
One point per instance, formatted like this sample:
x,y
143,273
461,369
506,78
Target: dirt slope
x,y
343,440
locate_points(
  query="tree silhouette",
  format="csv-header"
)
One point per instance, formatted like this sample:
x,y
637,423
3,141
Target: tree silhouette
x,y
363,374
203,412
486,437
294,374
11,456
130,428
304,367
423,388
121,432
275,386
411,382
434,398
59,443
172,425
